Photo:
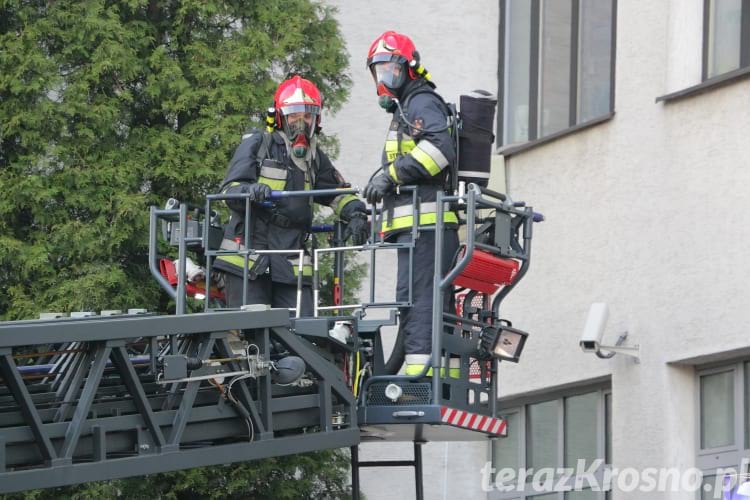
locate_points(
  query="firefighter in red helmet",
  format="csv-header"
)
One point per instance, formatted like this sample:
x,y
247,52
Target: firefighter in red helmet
x,y
418,151
286,157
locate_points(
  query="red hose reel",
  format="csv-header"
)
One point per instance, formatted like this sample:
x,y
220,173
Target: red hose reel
x,y
486,273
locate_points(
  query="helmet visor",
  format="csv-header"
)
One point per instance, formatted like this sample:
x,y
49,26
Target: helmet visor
x,y
391,74
288,109
300,122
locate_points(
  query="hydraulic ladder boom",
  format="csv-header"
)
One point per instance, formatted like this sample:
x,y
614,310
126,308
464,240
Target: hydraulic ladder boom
x,y
104,397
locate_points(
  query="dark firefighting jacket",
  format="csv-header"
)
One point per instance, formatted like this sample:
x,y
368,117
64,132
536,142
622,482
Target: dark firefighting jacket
x,y
420,152
285,225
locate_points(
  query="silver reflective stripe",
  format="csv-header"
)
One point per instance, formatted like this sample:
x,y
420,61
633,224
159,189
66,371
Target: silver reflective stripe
x,y
247,136
434,153
474,173
424,208
273,173
393,136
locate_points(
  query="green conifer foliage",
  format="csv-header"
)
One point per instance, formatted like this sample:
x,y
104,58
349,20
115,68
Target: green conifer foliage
x,y
107,107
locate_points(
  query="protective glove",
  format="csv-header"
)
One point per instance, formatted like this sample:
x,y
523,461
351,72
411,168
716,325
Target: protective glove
x,y
258,192
378,188
357,229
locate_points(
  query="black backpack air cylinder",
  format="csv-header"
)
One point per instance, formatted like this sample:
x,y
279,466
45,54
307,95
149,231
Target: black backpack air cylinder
x,y
475,138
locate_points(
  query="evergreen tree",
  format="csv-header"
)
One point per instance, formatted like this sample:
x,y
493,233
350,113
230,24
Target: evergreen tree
x,y
108,107
312,475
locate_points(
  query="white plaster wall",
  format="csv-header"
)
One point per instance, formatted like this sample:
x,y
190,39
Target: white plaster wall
x,y
458,44
647,213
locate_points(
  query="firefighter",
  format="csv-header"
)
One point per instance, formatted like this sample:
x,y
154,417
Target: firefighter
x,y
419,150
284,157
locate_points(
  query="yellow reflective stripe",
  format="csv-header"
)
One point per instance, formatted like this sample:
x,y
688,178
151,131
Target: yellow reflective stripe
x,y
276,185
433,152
392,151
236,260
307,270
407,145
425,207
340,202
427,219
413,370
393,174
308,186
426,160
239,261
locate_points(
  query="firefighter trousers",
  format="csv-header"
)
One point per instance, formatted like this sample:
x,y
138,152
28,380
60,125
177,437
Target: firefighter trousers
x,y
264,291
416,321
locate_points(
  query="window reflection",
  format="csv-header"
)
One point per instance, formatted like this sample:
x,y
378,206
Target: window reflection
x,y
724,36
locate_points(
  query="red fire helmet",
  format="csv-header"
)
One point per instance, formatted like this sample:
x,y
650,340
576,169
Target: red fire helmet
x,y
390,59
297,95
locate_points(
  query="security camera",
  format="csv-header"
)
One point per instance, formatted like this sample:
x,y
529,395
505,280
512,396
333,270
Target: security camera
x,y
594,329
593,332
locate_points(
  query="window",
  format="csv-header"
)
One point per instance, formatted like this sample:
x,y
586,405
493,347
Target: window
x,y
726,36
724,412
717,409
557,65
554,432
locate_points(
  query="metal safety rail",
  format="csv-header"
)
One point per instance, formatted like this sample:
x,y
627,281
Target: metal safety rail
x,y
459,342
376,243
435,405
458,339
145,394
200,235
84,399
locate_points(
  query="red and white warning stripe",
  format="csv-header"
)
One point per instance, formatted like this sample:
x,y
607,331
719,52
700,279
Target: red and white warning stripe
x,y
473,421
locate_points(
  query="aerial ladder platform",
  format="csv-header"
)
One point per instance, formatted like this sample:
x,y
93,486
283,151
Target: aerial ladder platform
x,y
107,395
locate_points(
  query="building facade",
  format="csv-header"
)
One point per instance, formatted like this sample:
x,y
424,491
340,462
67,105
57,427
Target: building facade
x,y
628,134
625,122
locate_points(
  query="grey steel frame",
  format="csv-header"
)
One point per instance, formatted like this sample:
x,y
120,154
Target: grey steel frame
x,y
416,463
109,418
71,428
180,215
443,343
